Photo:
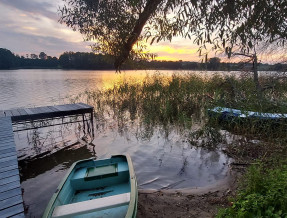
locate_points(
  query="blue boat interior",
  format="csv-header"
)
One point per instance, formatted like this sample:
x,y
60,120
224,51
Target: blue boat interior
x,y
91,180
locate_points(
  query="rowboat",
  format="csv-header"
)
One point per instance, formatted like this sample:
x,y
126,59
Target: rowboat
x,y
223,113
96,188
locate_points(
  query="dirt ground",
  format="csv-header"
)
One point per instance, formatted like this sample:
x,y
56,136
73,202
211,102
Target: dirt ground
x,y
202,202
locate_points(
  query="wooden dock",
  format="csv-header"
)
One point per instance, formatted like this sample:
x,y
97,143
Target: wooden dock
x,y
37,113
11,201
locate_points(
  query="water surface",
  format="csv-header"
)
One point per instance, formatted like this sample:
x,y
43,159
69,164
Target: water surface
x,y
160,162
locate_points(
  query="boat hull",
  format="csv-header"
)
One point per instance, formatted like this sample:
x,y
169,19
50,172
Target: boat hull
x,y
225,114
101,188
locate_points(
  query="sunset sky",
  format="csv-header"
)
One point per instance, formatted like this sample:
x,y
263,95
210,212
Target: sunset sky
x,y
31,26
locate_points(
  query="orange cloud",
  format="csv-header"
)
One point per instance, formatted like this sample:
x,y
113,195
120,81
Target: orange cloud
x,y
173,51
29,28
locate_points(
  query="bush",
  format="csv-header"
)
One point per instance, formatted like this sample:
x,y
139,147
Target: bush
x,y
264,194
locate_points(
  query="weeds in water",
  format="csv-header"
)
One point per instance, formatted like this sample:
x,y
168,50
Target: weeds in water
x,y
207,137
180,102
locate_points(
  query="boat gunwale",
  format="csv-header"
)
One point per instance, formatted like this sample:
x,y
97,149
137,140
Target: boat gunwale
x,y
132,209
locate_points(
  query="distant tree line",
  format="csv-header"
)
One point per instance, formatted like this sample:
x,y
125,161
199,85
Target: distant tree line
x,y
8,60
92,61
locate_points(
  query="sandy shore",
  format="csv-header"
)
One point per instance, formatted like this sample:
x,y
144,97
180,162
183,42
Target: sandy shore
x,y
196,202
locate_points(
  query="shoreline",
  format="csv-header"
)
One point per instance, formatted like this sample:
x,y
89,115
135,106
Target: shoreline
x,y
187,202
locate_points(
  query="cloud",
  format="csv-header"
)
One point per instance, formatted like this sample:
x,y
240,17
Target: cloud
x,y
31,27
176,50
33,7
27,44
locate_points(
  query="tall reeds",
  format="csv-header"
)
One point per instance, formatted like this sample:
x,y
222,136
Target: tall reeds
x,y
180,102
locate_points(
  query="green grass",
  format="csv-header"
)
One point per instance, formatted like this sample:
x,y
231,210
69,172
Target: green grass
x,y
264,194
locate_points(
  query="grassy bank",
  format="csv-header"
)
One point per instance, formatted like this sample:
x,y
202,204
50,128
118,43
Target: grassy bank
x,y
263,193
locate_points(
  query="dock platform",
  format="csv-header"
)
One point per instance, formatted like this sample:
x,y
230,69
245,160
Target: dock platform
x,y
37,113
11,201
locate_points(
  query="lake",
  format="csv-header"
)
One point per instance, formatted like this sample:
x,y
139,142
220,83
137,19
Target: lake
x,y
160,162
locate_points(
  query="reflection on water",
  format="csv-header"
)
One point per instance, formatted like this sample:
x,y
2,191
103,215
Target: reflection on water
x,y
41,87
40,177
160,163
162,159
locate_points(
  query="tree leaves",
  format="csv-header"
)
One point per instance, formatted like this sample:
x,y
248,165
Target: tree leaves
x,y
117,25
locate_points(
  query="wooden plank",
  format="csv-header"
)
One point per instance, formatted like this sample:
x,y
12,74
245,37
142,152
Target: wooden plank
x,y
28,111
76,107
9,202
73,107
4,129
85,105
9,180
10,167
5,124
5,159
10,173
46,109
10,193
5,118
15,112
2,113
53,108
20,215
7,141
12,210
35,110
8,150
22,112
50,112
7,146
61,108
7,154
8,163
8,113
9,186
6,137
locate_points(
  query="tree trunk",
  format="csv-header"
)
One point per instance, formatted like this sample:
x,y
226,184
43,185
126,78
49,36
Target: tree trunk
x,y
149,9
255,77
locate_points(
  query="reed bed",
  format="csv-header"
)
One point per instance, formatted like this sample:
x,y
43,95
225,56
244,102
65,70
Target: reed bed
x,y
180,102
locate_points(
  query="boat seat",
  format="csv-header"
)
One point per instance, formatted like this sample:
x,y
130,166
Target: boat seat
x,y
90,206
